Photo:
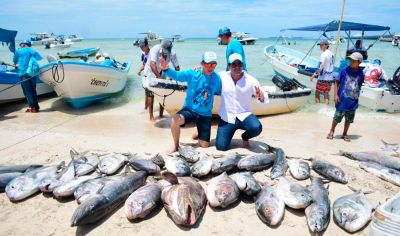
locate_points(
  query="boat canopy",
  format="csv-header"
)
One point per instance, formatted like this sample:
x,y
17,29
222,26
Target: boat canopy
x,y
346,26
8,37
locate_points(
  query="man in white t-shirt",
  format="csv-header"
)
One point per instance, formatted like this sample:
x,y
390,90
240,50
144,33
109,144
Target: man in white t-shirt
x,y
238,89
152,69
324,73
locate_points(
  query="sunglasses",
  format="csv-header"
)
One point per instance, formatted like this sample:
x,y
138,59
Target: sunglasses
x,y
210,65
237,64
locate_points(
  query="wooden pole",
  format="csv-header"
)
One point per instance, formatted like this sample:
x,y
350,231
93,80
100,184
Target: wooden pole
x,y
338,33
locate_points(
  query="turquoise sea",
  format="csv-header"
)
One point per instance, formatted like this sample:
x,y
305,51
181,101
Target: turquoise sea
x,y
189,55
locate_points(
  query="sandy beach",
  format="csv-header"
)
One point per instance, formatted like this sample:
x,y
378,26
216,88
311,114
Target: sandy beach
x,y
121,126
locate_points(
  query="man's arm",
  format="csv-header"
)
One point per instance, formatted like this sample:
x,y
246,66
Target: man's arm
x,y
335,94
153,67
181,76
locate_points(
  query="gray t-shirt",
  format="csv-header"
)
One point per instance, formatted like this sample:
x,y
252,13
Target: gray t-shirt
x,y
155,56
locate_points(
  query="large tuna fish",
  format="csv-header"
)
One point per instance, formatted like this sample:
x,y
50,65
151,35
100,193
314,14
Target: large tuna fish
x,y
270,207
280,165
380,158
141,202
318,213
202,167
225,163
299,169
257,162
352,212
189,153
329,171
293,194
50,183
246,183
184,199
107,199
84,164
222,191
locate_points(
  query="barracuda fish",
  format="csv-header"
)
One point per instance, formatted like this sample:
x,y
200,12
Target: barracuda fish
x,y
202,167
107,199
138,163
177,166
18,168
189,153
293,194
387,174
222,191
269,205
225,163
380,158
143,201
84,164
352,212
257,162
329,171
27,184
280,165
246,183
184,199
110,163
317,213
299,169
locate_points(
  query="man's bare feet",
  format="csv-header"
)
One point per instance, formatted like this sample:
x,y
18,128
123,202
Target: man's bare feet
x,y
195,135
346,138
152,119
171,150
246,144
330,135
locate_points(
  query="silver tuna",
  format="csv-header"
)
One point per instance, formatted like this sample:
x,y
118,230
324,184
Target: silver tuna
x,y
269,205
329,171
110,163
222,191
202,167
280,165
225,163
141,202
299,169
257,162
246,183
318,213
293,194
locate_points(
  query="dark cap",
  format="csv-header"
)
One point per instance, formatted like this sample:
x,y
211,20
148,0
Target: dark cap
x,y
167,45
324,42
143,43
223,31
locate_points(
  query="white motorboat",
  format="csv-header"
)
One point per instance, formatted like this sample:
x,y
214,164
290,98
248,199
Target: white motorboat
x,y
153,38
58,45
243,38
171,94
74,38
39,39
396,40
81,84
177,38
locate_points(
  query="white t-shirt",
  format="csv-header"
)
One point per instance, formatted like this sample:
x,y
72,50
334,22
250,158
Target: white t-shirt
x,y
236,98
327,65
154,56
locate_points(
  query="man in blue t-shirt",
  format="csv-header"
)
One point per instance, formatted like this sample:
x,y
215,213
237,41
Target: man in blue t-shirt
x,y
234,46
201,87
347,90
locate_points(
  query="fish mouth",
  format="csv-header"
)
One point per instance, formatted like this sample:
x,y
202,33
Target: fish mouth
x,y
191,217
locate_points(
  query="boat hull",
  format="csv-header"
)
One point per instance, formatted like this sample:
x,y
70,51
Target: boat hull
x,y
284,61
84,83
175,93
79,53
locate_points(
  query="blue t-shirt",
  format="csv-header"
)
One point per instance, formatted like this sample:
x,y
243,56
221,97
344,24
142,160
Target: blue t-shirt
x,y
200,89
22,57
235,46
350,83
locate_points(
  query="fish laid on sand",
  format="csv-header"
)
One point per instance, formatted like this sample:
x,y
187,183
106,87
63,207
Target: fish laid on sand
x,y
318,213
293,194
158,159
110,163
184,199
50,183
27,184
352,212
387,174
394,206
257,162
189,153
222,191
18,168
390,147
177,166
329,171
68,188
107,198
84,164
280,165
299,169
380,158
246,183
269,205
225,163
138,163
141,202
89,188
5,178
202,167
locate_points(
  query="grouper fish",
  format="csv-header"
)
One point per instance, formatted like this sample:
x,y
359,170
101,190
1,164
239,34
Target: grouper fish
x,y
318,213
222,191
380,158
143,201
329,171
269,205
387,174
107,199
184,199
280,165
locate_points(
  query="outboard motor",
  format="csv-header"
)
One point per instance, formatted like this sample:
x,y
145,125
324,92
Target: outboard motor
x,y
52,58
47,46
284,84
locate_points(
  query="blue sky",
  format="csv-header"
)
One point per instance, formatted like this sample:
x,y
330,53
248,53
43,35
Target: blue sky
x,y
197,18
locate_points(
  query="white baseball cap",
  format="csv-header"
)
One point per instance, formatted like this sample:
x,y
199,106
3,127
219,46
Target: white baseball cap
x,y
209,57
235,56
356,56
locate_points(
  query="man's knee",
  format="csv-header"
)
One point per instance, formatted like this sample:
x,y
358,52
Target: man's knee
x,y
221,147
177,119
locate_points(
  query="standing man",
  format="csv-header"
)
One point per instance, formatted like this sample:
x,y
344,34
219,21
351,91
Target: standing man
x,y
144,46
152,68
324,73
238,88
23,59
234,46
201,87
347,91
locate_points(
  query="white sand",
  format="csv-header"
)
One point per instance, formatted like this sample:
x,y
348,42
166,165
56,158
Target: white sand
x,y
47,137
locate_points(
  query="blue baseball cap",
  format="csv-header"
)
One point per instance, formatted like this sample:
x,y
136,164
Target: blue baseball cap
x,y
27,42
376,62
208,57
223,31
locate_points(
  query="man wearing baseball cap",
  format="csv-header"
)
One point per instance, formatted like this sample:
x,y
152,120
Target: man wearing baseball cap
x,y
24,57
144,47
234,46
152,69
238,89
324,73
347,90
201,87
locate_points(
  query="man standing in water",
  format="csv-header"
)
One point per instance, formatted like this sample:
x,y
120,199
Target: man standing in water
x,y
144,46
324,73
234,46
201,87
152,68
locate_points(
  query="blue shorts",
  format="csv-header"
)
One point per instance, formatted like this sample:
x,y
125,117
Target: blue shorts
x,y
203,123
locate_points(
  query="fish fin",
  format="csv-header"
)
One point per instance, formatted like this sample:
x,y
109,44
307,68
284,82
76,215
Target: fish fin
x,y
127,169
152,179
300,158
101,188
369,191
73,153
170,177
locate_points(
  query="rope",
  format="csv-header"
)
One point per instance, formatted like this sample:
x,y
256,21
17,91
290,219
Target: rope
x,y
54,72
163,96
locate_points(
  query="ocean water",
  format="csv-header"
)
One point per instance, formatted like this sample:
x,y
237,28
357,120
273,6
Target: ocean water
x,y
189,55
